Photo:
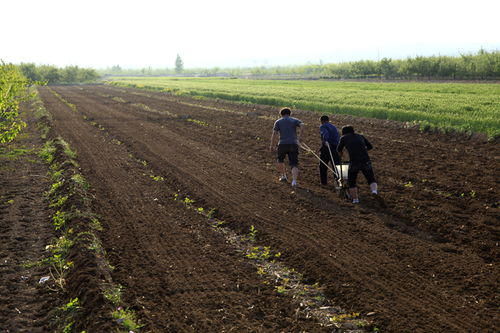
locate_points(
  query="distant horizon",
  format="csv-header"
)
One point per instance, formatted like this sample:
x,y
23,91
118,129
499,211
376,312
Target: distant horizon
x,y
227,34
268,63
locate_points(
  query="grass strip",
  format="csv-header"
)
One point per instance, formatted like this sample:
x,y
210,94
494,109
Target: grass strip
x,y
446,107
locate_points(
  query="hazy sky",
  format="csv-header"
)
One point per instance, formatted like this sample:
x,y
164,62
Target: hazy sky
x,y
230,33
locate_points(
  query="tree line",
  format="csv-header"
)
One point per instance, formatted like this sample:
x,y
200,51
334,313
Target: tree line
x,y
482,65
53,75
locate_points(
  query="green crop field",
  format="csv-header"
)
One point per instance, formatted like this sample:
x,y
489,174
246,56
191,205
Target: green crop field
x,y
462,107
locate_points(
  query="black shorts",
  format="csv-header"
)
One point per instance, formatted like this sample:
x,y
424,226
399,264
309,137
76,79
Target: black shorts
x,y
292,150
365,168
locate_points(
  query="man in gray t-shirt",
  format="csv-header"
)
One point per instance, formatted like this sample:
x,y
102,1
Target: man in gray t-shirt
x,y
286,128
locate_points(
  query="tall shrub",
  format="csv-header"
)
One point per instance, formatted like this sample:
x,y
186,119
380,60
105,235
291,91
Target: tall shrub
x,y
13,89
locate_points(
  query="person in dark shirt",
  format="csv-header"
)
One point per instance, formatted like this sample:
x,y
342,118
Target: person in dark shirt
x,y
357,146
288,129
329,141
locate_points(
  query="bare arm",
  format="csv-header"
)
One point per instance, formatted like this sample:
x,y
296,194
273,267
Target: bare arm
x,y
299,131
274,140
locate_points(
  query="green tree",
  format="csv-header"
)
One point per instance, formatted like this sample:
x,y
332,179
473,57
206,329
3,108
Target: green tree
x,y
179,65
70,74
50,74
116,69
87,75
30,71
363,68
387,68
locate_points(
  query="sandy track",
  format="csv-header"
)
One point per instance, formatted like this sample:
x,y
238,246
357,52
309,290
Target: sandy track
x,y
416,277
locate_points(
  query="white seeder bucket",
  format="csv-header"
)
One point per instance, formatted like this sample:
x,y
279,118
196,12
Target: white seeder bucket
x,y
345,169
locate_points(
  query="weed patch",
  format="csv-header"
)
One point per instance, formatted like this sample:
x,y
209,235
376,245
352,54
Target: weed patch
x,y
197,122
14,153
47,153
127,318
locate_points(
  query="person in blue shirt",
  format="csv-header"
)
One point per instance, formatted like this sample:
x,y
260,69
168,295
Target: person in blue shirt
x,y
329,141
288,129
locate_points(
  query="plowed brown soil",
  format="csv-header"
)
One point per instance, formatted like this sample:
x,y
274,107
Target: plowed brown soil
x,y
25,230
426,263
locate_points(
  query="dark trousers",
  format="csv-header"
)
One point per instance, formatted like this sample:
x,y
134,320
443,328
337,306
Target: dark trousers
x,y
292,150
325,157
365,168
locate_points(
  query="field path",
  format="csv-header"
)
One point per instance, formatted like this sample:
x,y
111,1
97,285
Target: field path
x,y
440,277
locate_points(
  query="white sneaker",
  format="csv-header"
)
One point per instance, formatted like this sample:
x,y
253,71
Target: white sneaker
x,y
355,201
294,183
283,178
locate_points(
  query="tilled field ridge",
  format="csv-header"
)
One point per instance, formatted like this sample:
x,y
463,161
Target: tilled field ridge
x,y
25,230
426,263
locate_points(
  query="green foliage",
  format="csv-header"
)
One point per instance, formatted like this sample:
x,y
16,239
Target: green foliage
x,y
69,327
179,64
72,305
114,294
80,181
127,318
42,116
252,235
119,99
62,99
54,188
58,265
69,309
47,153
157,178
468,108
14,153
197,122
54,75
59,202
188,202
475,66
260,253
60,218
343,317
280,289
12,91
211,213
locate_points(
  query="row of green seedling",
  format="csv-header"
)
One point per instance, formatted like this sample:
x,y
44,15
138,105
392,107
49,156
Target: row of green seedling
x,y
286,281
62,99
59,194
69,187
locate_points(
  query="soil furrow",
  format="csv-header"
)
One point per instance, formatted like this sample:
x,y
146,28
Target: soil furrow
x,y
25,230
162,251
411,281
